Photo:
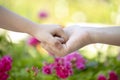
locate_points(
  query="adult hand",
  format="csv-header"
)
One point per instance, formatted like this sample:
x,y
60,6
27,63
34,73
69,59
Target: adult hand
x,y
78,37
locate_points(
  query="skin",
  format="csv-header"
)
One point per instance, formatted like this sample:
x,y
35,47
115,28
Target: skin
x,y
54,39
82,36
44,32
79,37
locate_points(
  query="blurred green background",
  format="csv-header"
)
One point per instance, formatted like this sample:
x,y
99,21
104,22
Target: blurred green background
x,y
101,58
66,11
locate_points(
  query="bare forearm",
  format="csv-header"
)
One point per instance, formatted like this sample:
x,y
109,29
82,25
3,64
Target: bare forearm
x,y
14,22
108,35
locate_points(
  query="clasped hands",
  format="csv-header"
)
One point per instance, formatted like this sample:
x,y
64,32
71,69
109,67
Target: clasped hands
x,y
60,41
56,40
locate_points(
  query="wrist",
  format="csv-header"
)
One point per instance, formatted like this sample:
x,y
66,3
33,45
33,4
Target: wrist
x,y
33,29
94,33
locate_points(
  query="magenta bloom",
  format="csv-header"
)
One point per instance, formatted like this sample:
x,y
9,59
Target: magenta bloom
x,y
5,66
101,77
43,15
77,59
63,68
113,76
33,41
47,69
3,76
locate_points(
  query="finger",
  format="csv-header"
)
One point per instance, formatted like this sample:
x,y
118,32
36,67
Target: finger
x,y
59,52
48,49
60,39
72,43
63,50
54,45
50,40
60,33
51,50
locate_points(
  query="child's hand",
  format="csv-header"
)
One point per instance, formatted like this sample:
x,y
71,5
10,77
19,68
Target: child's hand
x,y
77,37
47,34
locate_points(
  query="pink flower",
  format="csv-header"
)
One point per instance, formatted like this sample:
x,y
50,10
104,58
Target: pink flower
x,y
43,15
3,76
63,68
33,41
5,66
1,66
77,59
62,73
101,77
113,76
80,66
47,69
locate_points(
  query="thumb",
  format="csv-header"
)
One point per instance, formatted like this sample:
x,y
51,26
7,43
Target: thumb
x,y
72,44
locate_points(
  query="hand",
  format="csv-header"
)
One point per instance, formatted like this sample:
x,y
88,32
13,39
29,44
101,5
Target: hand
x,y
78,37
51,36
